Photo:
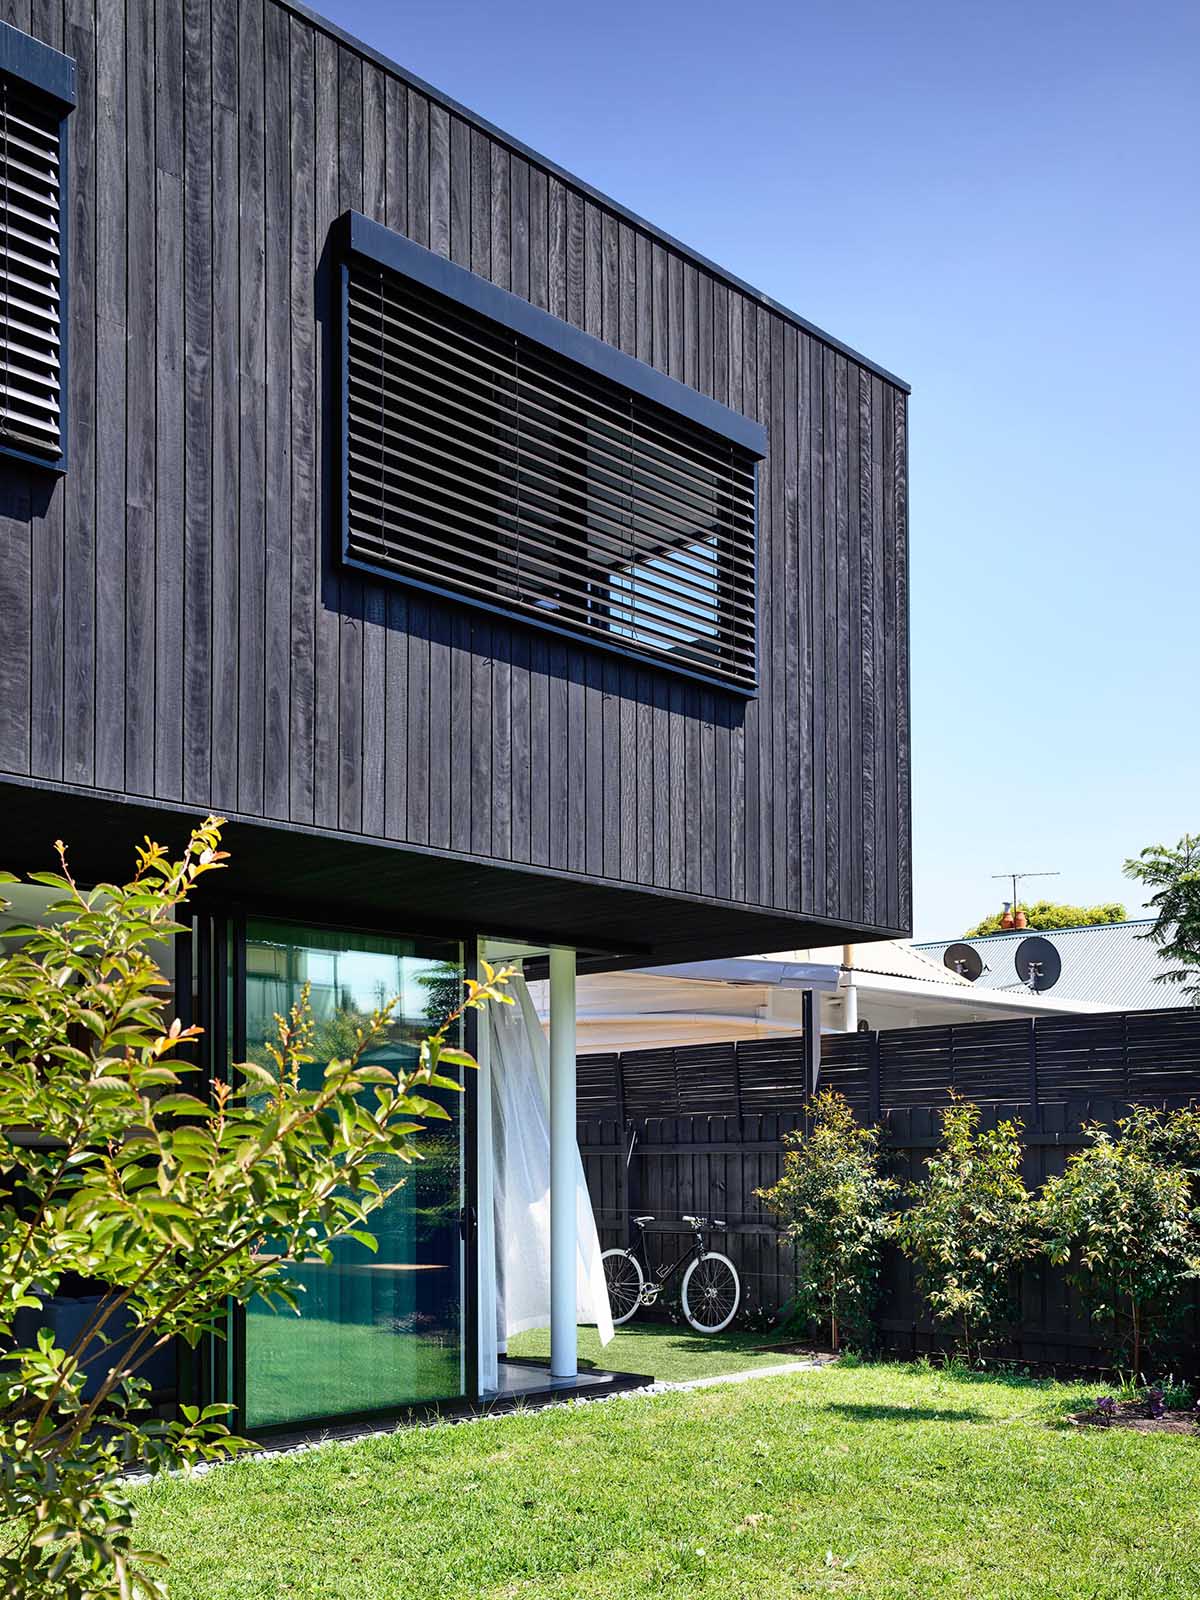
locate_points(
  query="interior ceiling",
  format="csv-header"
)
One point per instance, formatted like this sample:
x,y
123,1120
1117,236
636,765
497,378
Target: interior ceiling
x,y
346,880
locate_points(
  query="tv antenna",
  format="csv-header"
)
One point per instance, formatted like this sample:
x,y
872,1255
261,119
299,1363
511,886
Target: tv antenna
x,y
1017,877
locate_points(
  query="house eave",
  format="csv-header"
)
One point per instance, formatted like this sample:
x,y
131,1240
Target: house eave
x,y
351,880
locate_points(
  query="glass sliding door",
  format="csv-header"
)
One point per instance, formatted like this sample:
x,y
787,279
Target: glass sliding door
x,y
376,1330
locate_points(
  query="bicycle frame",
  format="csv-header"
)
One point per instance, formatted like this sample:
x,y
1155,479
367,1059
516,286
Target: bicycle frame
x,y
655,1280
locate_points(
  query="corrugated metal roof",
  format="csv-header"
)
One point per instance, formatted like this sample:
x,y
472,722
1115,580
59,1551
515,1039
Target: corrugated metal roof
x,y
890,958
1109,964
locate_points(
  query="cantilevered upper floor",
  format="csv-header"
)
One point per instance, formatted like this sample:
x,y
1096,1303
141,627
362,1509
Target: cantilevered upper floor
x,y
471,544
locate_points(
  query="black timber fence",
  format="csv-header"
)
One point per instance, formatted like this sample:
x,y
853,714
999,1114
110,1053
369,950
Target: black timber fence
x,y
700,1128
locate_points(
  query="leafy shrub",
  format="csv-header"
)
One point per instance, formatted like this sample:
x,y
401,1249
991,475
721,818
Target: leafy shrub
x,y
1176,1396
1120,1218
834,1201
970,1225
110,1172
1174,875
1045,915
1167,1138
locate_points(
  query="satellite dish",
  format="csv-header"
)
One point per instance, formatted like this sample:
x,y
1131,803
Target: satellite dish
x,y
1038,964
963,959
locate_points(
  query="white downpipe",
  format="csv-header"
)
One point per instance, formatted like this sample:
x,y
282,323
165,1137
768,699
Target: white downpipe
x,y
850,996
489,1368
850,1007
564,1356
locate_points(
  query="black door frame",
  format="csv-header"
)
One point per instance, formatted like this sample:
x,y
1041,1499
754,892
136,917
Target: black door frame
x,y
211,990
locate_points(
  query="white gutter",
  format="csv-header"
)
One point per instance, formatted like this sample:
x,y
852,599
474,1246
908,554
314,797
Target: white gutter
x,y
1016,999
751,970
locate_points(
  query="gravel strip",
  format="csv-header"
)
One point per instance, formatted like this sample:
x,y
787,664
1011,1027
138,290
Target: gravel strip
x,y
543,1403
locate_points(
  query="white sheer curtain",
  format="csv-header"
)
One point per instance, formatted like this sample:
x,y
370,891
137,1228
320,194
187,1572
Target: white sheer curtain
x,y
520,1075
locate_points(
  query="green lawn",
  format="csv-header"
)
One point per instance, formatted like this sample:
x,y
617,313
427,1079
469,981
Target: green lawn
x,y
667,1353
882,1482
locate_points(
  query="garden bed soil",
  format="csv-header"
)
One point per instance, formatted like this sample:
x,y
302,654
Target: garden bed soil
x,y
1135,1414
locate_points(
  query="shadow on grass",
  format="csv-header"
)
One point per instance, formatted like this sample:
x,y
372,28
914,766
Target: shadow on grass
x,y
883,1413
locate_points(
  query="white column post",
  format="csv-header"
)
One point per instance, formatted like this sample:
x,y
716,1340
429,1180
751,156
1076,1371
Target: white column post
x,y
486,1329
563,1244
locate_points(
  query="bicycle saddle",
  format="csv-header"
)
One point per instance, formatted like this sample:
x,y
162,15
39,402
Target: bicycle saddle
x,y
640,1220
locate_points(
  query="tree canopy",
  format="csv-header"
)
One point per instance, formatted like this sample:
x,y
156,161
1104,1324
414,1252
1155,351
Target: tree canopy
x,y
1045,915
1174,875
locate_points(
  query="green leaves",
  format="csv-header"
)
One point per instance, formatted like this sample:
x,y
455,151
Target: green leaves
x,y
175,1202
1174,875
970,1224
456,1058
1043,916
1122,1219
834,1199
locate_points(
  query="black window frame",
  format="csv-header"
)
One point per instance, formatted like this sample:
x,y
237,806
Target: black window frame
x,y
47,72
364,240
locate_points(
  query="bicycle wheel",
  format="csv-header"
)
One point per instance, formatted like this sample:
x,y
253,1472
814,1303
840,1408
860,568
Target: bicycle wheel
x,y
711,1292
623,1277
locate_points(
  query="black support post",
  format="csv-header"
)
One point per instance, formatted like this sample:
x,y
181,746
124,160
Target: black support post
x,y
811,1024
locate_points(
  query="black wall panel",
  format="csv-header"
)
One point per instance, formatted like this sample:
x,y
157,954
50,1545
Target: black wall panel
x,y
176,625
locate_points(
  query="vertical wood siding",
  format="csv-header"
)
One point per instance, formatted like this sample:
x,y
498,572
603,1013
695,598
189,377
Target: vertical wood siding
x,y
176,625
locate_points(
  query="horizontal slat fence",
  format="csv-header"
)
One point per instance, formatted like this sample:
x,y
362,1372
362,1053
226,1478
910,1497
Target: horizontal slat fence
x,y
700,1129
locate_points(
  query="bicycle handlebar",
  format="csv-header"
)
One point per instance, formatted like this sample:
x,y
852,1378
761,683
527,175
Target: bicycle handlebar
x,y
690,1221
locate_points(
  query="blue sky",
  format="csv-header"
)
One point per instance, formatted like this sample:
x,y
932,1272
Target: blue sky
x,y
1000,204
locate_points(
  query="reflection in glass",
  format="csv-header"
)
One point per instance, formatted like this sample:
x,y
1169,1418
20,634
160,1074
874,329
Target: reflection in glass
x,y
377,1329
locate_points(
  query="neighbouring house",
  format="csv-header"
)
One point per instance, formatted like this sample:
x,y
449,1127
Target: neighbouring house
x,y
515,581
887,984
1110,967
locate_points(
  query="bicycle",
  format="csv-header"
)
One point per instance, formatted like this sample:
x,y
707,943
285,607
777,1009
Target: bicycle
x,y
711,1290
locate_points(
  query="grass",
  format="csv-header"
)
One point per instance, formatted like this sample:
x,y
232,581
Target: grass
x,y
669,1354
884,1482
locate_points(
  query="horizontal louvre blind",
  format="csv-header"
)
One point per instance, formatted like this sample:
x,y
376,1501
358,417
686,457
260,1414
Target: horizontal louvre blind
x,y
482,462
30,272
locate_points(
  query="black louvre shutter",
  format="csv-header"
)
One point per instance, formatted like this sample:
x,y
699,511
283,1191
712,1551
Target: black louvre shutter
x,y
30,272
483,462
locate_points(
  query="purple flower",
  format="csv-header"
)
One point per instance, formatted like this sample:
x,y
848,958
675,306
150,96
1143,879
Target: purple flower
x,y
1106,1406
1155,1403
